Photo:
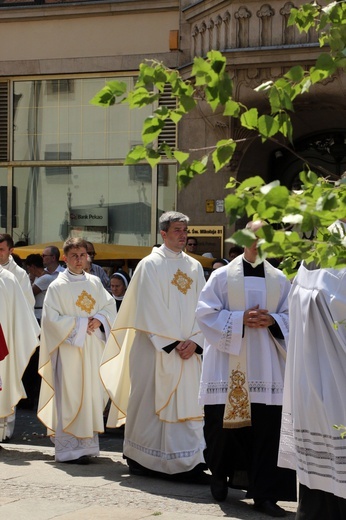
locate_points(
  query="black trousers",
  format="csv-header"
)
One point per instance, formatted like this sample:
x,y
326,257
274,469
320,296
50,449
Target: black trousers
x,y
31,381
249,452
315,504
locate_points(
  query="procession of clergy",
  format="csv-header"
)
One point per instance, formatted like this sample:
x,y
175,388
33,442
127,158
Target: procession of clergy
x,y
209,383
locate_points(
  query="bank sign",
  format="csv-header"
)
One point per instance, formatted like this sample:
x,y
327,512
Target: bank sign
x,y
89,217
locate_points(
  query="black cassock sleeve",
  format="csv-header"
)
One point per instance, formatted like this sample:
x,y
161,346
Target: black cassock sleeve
x,y
172,346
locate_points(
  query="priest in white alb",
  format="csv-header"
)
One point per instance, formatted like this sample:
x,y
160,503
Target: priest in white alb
x,y
21,335
76,320
315,390
243,314
152,362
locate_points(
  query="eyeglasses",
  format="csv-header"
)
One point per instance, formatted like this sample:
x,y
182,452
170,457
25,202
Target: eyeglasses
x,y
193,244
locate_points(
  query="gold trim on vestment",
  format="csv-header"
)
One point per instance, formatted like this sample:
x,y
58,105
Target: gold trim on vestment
x,y
182,281
238,399
86,302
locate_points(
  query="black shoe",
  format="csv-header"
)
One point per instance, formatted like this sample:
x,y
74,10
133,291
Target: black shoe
x,y
190,477
138,470
219,489
270,508
83,460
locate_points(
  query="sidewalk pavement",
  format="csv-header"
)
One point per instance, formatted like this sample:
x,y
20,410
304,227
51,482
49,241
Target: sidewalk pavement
x,y
35,487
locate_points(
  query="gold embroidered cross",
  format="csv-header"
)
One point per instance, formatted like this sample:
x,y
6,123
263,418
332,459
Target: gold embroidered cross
x,y
182,281
86,302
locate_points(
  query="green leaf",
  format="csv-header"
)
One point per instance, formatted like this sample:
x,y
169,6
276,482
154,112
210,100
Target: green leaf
x,y
138,153
308,178
153,157
234,207
108,94
267,126
278,196
141,97
152,127
217,60
223,153
249,119
285,125
233,182
251,182
295,74
244,237
181,157
325,67
176,116
167,150
232,108
187,103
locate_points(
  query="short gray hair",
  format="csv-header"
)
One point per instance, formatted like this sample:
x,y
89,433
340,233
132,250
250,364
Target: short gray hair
x,y
171,216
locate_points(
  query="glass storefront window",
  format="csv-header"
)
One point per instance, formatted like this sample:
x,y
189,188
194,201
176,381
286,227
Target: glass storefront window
x,y
111,204
53,120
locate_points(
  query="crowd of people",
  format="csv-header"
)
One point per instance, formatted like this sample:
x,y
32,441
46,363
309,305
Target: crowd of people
x,y
233,382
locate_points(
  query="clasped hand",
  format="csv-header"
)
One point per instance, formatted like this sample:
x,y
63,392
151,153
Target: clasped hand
x,y
93,324
186,349
256,318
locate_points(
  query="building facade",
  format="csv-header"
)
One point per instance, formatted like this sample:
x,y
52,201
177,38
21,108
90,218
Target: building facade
x,y
259,46
61,159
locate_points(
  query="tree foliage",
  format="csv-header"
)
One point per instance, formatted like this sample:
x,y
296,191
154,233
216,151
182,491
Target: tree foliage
x,y
297,221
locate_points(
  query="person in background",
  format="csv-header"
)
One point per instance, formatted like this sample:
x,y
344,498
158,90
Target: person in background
x,y
151,365
76,320
18,260
234,251
119,283
243,314
191,245
8,263
219,262
51,255
40,280
95,269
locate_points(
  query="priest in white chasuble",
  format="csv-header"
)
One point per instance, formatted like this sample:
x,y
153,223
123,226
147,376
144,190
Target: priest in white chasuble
x,y
152,362
315,390
21,335
243,313
76,320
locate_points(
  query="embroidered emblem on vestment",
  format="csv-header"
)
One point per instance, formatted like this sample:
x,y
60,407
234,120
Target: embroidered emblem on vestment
x,y
86,302
238,397
182,281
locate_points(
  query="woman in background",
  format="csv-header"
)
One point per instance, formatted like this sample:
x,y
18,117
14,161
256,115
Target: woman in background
x,y
119,283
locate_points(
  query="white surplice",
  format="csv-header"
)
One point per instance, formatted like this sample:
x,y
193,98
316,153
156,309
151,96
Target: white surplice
x,y
21,333
156,391
315,387
225,335
72,397
22,278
